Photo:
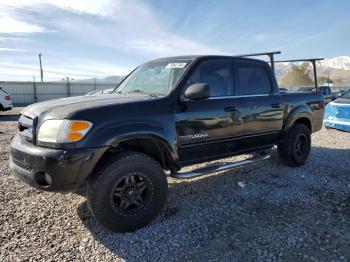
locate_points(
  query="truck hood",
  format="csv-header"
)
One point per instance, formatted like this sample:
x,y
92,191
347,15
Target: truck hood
x,y
64,106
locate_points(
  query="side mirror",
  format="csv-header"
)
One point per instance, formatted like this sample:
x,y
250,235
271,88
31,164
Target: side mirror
x,y
197,91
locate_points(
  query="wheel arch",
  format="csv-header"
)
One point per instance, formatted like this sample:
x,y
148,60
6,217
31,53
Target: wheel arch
x,y
304,121
149,144
301,115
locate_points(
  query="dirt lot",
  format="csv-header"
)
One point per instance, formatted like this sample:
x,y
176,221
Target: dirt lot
x,y
277,213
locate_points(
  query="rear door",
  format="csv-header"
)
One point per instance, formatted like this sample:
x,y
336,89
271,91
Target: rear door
x,y
261,105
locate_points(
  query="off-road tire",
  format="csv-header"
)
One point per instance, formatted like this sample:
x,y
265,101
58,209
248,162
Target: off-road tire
x,y
100,191
288,148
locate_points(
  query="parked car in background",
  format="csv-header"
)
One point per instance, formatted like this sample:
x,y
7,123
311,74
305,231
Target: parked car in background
x,y
337,113
307,89
327,94
101,92
340,93
5,100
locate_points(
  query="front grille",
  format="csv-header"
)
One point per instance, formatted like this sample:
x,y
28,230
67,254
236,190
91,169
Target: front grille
x,y
26,128
21,164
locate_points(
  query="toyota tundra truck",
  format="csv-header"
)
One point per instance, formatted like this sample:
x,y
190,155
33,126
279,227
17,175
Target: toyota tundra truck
x,y
167,114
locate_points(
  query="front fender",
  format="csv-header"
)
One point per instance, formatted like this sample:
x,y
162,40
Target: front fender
x,y
296,113
149,135
113,133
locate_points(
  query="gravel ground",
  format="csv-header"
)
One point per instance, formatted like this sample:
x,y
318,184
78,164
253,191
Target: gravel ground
x,y
264,212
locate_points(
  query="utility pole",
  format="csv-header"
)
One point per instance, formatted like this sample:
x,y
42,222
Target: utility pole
x,y
41,69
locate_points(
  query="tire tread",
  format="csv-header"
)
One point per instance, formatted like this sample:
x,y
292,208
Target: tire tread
x,y
285,148
96,179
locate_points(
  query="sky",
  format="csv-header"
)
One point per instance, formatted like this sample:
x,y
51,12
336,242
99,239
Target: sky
x,y
98,38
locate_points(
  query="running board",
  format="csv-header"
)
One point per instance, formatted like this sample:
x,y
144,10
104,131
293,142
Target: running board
x,y
221,167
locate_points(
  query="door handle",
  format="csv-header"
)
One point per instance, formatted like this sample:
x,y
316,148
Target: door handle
x,y
276,105
230,109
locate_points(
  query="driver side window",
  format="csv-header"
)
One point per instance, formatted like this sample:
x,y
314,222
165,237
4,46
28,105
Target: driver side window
x,y
217,74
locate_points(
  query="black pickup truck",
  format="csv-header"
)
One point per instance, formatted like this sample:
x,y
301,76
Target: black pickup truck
x,y
167,114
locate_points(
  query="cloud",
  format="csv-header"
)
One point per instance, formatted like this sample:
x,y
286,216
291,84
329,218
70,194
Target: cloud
x,y
10,11
8,39
130,31
132,27
10,24
4,49
97,7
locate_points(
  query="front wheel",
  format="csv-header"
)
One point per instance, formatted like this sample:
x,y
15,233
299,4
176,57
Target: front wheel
x,y
128,192
295,147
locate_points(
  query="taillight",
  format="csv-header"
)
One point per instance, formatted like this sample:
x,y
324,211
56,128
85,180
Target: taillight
x,y
7,97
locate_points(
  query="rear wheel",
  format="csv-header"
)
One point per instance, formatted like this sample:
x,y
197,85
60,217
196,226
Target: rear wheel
x,y
295,147
128,192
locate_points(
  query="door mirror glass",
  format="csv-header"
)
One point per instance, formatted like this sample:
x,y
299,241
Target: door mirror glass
x,y
197,91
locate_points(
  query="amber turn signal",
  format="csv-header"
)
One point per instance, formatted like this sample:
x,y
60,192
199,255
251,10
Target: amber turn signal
x,y
79,126
74,136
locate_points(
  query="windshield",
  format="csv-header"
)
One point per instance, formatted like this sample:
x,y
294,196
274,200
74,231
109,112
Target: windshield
x,y
154,78
347,95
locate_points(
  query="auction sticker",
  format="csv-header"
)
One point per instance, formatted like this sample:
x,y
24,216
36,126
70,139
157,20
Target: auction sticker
x,y
176,65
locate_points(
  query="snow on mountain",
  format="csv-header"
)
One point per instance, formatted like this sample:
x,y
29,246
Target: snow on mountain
x,y
338,67
340,62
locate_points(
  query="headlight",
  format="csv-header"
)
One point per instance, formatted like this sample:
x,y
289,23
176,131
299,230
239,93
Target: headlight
x,y
63,131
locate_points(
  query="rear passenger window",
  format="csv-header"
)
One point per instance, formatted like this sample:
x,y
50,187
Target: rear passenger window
x,y
253,80
217,74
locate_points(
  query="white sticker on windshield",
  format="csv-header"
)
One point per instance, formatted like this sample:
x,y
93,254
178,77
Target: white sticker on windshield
x,y
176,65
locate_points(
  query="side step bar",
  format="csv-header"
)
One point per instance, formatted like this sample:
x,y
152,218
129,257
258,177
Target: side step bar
x,y
221,167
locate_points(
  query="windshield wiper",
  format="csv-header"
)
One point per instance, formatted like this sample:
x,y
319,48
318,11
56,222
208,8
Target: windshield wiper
x,y
140,91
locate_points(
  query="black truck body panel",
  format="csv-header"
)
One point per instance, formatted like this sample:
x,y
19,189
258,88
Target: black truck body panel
x,y
184,132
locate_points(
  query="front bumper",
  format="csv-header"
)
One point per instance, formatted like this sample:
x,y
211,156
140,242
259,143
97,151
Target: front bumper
x,y
337,123
68,169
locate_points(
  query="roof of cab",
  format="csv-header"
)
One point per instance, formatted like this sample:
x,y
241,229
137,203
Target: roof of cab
x,y
205,57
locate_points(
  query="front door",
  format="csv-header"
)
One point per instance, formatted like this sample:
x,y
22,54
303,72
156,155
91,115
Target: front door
x,y
205,125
